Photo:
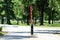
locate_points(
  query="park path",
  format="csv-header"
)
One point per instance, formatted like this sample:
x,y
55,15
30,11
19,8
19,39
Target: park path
x,y
23,33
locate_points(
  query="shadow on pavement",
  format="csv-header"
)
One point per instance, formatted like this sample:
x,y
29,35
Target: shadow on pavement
x,y
7,37
49,31
43,32
18,37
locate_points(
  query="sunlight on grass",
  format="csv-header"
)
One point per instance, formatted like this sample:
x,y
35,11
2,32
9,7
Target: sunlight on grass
x,y
55,24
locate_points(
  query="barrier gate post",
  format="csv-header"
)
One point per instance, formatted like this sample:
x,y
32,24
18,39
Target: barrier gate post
x,y
31,20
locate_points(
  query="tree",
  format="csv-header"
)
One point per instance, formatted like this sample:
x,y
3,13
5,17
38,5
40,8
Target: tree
x,y
1,10
7,6
27,4
40,5
52,6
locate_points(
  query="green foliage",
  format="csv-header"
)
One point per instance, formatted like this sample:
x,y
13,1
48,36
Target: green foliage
x,y
0,28
40,3
19,9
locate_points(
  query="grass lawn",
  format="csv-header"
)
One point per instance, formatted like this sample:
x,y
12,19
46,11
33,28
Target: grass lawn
x,y
55,24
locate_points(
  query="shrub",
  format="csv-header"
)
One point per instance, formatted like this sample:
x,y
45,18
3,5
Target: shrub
x,y
0,28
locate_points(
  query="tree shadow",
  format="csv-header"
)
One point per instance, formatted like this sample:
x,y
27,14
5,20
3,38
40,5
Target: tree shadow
x,y
43,32
16,37
49,31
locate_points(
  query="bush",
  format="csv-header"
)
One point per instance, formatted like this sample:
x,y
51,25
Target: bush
x,y
1,34
0,28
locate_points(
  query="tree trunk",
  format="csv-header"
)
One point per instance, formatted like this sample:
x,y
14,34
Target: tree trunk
x,y
41,16
17,22
53,14
49,20
8,21
50,16
27,20
2,20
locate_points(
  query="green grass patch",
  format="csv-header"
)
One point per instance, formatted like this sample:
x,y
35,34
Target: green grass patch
x,y
55,24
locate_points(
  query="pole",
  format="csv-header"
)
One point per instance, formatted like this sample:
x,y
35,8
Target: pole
x,y
31,20
32,29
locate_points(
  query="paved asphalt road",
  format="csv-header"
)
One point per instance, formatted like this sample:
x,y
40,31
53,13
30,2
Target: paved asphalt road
x,y
23,33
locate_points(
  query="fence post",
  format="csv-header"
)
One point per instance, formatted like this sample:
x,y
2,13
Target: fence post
x,y
31,20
